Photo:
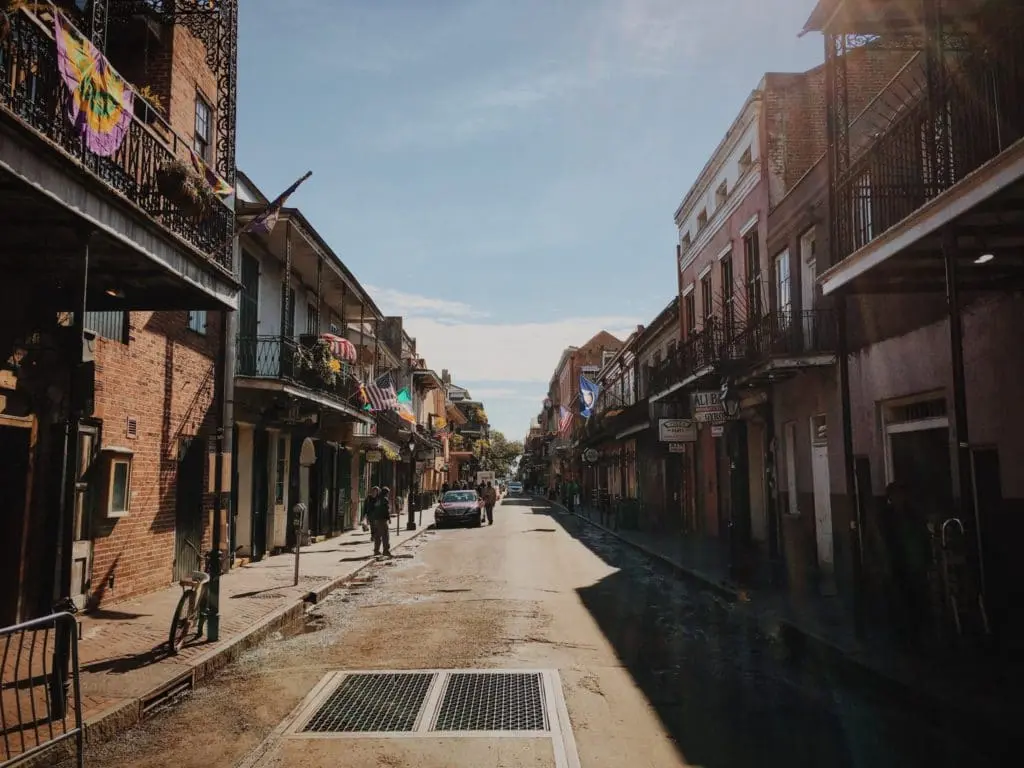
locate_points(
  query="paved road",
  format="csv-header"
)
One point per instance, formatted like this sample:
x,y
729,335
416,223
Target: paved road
x,y
654,671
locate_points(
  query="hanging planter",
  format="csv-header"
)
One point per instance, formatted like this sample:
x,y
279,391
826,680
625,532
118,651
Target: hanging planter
x,y
319,360
182,186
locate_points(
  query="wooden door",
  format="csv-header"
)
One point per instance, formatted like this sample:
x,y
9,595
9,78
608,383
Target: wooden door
x,y
188,510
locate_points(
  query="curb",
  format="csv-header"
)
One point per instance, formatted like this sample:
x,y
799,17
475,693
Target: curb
x,y
130,712
798,638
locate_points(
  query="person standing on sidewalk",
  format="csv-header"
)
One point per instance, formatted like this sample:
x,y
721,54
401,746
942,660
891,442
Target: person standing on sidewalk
x,y
379,515
490,496
368,502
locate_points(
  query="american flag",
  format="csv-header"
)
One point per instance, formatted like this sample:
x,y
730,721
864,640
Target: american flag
x,y
565,421
382,395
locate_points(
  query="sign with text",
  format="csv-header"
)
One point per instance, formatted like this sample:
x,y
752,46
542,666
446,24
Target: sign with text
x,y
591,455
373,457
707,407
677,447
717,430
677,431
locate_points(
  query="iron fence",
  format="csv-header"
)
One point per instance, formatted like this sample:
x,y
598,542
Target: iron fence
x,y
286,359
784,333
31,89
700,350
40,698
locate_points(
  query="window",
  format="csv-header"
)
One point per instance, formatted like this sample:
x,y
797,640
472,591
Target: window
x,y
752,256
728,305
119,489
686,240
783,296
110,325
202,136
707,300
702,219
690,312
746,160
808,266
197,321
280,470
311,318
606,356
721,194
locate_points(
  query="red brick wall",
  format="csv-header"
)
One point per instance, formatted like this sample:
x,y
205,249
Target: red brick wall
x,y
164,378
189,74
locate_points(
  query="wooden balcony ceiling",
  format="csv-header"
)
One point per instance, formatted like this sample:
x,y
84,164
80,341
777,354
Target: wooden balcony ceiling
x,y
42,245
990,245
867,17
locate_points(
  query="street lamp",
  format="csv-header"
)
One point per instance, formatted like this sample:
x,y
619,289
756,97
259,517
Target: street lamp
x,y
411,523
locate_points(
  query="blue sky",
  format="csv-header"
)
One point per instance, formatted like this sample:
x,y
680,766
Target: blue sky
x,y
503,174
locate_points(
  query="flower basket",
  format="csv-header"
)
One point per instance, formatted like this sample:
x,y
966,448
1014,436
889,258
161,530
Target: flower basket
x,y
183,187
318,359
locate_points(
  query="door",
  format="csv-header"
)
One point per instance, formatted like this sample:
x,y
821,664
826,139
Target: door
x,y
808,271
280,464
81,544
260,492
343,488
188,510
789,436
756,481
248,315
15,473
997,537
822,492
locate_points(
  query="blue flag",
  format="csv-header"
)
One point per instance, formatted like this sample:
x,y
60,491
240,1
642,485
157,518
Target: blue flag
x,y
588,396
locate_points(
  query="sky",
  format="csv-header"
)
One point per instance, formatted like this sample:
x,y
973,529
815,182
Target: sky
x,y
503,174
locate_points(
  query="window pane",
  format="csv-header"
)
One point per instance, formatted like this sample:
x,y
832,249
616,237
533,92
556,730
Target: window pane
x,y
119,487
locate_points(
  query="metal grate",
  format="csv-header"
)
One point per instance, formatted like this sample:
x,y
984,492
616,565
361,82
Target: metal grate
x,y
373,702
493,701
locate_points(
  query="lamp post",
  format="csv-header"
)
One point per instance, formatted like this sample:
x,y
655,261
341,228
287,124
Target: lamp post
x,y
731,407
411,523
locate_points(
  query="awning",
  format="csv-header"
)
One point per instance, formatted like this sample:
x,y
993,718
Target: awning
x,y
343,349
376,442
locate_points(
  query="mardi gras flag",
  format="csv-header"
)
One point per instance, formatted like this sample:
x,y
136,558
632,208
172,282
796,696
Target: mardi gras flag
x,y
220,187
100,102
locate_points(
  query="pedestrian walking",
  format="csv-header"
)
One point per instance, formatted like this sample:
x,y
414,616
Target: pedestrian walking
x,y
370,499
379,514
490,496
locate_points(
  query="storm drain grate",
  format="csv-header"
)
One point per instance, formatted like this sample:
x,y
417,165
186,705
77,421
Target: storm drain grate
x,y
374,702
493,701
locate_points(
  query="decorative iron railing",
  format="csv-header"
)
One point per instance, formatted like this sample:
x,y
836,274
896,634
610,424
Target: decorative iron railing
x,y
932,143
784,334
277,357
700,351
31,89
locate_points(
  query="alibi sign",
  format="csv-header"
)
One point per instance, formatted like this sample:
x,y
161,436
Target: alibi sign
x,y
707,407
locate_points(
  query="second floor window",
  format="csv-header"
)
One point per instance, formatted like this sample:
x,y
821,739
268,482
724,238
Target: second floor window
x,y
690,312
707,300
728,306
782,285
311,319
752,256
202,136
197,321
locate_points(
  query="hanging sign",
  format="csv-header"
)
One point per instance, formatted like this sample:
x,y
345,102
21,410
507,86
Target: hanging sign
x,y
677,431
707,407
717,430
590,455
374,456
677,447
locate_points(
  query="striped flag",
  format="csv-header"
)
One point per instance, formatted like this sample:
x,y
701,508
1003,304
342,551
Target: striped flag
x,y
381,394
565,421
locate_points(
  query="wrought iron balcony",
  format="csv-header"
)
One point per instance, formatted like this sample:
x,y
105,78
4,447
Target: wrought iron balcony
x,y
921,143
287,360
700,351
784,334
32,91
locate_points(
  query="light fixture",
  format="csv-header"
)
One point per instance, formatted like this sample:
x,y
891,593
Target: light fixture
x,y
115,293
985,258
412,445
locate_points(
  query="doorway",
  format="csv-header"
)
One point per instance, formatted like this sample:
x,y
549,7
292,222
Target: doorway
x,y
822,493
81,544
260,492
789,438
248,316
188,510
16,441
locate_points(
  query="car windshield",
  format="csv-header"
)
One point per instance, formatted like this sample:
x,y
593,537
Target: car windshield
x,y
453,497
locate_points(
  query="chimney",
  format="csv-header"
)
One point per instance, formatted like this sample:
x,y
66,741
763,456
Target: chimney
x,y
445,376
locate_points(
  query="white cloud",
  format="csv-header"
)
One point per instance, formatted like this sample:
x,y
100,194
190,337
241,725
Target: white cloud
x,y
392,301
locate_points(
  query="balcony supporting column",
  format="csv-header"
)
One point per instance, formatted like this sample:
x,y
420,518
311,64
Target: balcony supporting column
x,y
850,483
963,480
286,283
98,25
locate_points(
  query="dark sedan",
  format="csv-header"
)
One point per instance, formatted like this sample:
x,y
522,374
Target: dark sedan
x,y
458,507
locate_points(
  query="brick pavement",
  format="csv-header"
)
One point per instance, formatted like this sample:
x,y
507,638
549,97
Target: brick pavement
x,y
123,655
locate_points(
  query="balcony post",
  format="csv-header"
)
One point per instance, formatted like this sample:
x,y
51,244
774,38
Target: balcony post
x,y
286,283
937,138
98,25
319,293
837,126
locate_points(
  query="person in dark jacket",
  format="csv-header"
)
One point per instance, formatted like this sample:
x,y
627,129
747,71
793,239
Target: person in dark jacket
x,y
368,502
379,514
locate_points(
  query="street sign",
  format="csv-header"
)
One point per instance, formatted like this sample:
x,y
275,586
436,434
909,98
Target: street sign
x,y
677,447
373,457
677,431
707,407
717,430
590,455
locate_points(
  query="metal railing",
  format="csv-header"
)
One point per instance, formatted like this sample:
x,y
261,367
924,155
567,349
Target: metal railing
x,y
930,144
699,351
785,333
31,89
283,358
39,688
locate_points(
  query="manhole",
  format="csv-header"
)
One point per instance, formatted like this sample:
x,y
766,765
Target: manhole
x,y
492,701
381,702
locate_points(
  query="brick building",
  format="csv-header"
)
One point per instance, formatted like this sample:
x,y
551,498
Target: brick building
x,y
109,375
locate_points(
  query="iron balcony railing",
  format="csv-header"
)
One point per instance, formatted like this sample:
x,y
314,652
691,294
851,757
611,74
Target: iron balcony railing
x,y
284,359
700,351
784,334
932,143
32,91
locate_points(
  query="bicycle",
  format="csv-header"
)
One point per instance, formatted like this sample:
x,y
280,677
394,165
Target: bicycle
x,y
191,607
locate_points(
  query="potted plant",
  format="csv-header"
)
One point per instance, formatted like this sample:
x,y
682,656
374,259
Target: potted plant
x,y
318,359
182,186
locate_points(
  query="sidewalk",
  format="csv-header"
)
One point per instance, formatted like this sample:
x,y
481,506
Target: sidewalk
x,y
125,668
820,624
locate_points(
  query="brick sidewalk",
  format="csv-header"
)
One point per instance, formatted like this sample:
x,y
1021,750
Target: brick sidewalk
x,y
124,663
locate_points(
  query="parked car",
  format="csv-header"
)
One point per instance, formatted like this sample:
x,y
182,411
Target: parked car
x,y
459,507
515,488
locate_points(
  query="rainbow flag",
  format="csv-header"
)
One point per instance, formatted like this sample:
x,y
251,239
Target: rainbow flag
x,y
100,102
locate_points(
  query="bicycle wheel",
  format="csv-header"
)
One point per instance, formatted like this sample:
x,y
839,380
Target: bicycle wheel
x,y
180,623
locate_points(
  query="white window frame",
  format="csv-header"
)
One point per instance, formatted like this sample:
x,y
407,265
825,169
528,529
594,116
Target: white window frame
x,y
116,461
197,320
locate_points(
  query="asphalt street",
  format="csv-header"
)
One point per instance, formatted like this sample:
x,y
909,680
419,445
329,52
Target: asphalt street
x,y
654,671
